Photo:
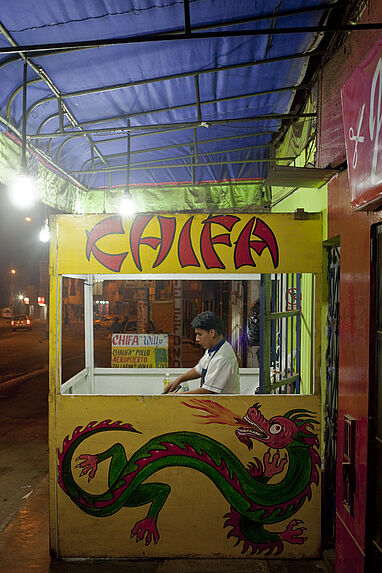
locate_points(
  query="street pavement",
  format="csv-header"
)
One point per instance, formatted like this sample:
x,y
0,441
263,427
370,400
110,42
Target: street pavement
x,y
23,443
22,352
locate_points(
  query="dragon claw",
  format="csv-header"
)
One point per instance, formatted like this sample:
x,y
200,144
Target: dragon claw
x,y
274,465
88,464
293,532
145,527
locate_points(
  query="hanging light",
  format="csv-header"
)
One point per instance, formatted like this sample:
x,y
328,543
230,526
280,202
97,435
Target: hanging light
x,y
22,190
127,206
44,234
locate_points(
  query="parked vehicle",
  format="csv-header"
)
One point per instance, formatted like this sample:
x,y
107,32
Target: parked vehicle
x,y
21,321
6,313
131,326
105,321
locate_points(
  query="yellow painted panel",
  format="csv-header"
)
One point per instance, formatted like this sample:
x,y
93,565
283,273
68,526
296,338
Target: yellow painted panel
x,y
189,244
181,468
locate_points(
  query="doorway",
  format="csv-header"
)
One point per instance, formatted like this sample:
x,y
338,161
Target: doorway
x,y
374,517
331,396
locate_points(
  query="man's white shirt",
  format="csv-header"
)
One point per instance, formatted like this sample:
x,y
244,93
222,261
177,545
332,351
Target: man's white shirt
x,y
222,370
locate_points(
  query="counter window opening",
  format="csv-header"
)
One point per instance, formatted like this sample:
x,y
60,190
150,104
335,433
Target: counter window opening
x,y
120,336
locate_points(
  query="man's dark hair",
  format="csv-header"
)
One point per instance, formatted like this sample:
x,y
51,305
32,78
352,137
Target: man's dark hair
x,y
207,320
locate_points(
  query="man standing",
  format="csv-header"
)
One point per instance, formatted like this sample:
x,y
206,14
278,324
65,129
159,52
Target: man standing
x,y
218,369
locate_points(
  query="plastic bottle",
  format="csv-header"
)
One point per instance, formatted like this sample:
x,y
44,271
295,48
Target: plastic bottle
x,y
166,379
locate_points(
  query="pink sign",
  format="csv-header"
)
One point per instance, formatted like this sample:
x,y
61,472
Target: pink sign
x,y
362,116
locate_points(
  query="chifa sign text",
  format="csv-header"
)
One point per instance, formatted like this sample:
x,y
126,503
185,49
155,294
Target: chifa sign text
x,y
189,244
243,252
139,351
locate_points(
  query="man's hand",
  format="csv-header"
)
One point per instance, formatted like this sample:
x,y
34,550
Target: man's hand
x,y
171,387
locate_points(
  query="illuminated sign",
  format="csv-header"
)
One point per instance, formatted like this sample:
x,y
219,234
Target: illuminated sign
x,y
362,118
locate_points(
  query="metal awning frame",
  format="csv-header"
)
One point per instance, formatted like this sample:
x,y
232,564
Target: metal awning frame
x,y
81,129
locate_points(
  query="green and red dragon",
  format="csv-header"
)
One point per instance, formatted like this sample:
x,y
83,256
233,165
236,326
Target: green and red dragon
x,y
254,501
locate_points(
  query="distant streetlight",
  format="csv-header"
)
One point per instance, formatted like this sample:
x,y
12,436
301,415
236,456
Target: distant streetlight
x,y
12,289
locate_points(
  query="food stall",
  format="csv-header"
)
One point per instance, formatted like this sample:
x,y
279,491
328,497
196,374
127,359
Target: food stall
x,y
134,473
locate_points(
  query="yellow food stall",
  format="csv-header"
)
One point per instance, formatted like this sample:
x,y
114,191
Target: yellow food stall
x,y
134,473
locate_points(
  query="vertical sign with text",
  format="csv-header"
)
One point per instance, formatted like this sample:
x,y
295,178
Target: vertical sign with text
x,y
178,324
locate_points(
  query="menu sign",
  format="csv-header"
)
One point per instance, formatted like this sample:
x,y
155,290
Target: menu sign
x,y
139,351
362,117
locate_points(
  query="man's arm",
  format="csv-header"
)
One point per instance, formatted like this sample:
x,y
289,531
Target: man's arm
x,y
190,375
198,391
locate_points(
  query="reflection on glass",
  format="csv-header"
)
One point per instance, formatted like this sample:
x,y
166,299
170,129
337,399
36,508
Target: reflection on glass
x,y
168,307
72,327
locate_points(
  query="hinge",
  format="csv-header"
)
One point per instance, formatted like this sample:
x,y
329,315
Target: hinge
x,y
372,426
301,215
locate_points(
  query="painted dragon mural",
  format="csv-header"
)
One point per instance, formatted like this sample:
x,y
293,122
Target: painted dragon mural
x,y
254,501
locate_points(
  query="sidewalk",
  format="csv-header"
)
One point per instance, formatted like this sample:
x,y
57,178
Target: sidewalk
x,y
24,547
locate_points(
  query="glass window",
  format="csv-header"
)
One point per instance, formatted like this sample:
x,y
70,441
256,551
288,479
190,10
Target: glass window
x,y
72,327
146,324
168,307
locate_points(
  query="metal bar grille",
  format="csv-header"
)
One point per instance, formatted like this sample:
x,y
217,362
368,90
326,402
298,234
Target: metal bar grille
x,y
331,397
280,334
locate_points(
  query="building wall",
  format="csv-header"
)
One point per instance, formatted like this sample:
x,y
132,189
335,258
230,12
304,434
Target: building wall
x,y
331,142
353,229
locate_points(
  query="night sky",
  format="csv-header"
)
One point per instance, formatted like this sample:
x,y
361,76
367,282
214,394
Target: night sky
x,y
20,246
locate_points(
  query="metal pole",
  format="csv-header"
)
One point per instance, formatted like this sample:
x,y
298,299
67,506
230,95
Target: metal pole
x,y
30,49
24,128
187,20
128,160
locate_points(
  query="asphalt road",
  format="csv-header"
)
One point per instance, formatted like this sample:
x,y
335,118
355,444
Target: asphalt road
x,y
24,410
24,387
23,415
22,351
23,443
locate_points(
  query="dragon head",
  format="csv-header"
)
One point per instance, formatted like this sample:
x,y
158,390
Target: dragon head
x,y
278,432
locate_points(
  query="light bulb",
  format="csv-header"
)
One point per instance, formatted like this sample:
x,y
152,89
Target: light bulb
x,y
44,234
127,206
22,191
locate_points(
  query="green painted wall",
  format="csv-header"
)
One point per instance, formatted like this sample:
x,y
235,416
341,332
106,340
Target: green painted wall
x,y
313,201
